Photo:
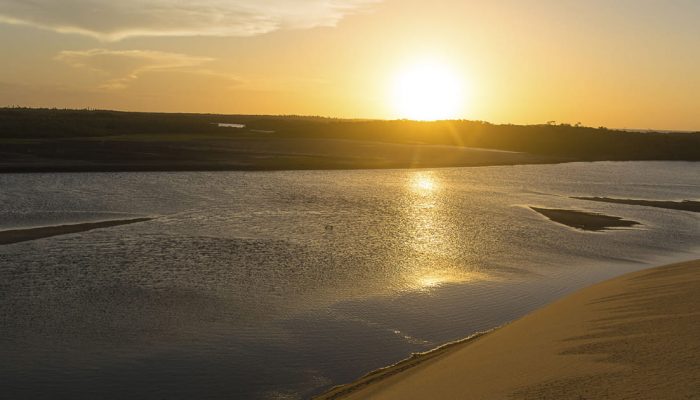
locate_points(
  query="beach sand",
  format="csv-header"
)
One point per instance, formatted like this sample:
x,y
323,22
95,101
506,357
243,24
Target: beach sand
x,y
633,337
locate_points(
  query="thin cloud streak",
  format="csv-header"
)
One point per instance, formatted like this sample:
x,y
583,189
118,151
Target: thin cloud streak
x,y
120,67
109,20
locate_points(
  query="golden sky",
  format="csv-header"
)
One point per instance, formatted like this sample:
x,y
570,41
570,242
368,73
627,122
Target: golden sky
x,y
621,63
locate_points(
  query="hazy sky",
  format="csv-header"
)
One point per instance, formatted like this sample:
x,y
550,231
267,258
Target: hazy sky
x,y
617,63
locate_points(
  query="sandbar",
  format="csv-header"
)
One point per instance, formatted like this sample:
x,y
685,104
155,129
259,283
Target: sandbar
x,y
684,205
24,235
583,220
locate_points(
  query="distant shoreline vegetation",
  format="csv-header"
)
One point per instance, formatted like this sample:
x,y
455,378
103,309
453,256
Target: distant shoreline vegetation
x,y
98,140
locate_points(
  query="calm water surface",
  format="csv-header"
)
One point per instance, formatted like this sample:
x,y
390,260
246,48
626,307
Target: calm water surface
x,y
279,285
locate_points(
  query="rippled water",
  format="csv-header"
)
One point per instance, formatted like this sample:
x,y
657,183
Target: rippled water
x,y
281,284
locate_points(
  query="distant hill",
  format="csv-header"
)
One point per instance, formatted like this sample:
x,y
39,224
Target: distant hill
x,y
48,140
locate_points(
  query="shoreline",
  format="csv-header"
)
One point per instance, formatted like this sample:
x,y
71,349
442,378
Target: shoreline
x,y
416,359
46,169
501,362
260,168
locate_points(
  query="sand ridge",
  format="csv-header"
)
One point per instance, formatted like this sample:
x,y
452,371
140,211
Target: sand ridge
x,y
633,337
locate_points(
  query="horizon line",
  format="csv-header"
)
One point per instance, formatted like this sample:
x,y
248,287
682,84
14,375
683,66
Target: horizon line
x,y
352,119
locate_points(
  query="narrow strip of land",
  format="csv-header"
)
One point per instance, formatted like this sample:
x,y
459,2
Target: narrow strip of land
x,y
584,220
24,235
685,205
633,337
43,140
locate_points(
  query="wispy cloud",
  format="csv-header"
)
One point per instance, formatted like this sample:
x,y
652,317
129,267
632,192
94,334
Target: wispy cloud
x,y
111,20
120,67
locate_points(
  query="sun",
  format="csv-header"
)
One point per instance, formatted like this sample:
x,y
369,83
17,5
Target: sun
x,y
427,91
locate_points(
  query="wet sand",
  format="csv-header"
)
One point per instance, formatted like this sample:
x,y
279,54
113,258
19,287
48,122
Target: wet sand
x,y
24,235
632,337
685,205
584,220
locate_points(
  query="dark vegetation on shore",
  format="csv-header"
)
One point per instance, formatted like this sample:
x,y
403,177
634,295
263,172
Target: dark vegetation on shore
x,y
93,140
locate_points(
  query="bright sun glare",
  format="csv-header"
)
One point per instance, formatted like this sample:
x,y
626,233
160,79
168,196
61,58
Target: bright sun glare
x,y
428,91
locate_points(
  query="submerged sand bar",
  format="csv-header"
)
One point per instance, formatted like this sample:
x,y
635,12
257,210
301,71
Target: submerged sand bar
x,y
584,220
633,337
685,205
24,235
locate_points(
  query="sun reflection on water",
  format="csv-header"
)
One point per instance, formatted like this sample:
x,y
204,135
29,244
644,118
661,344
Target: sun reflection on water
x,y
424,182
444,276
428,261
429,281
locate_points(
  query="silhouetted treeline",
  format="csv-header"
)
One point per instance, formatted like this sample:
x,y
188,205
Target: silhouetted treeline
x,y
52,123
565,140
121,137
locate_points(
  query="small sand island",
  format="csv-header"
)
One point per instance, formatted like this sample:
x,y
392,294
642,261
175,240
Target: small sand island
x,y
24,235
685,205
633,337
586,221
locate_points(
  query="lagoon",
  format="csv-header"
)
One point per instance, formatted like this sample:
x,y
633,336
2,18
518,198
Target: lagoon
x,y
279,285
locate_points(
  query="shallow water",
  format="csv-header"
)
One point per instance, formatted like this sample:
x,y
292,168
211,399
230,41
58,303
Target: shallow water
x,y
281,284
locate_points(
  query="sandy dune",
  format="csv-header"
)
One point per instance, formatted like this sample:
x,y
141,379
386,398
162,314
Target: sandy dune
x,y
633,337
